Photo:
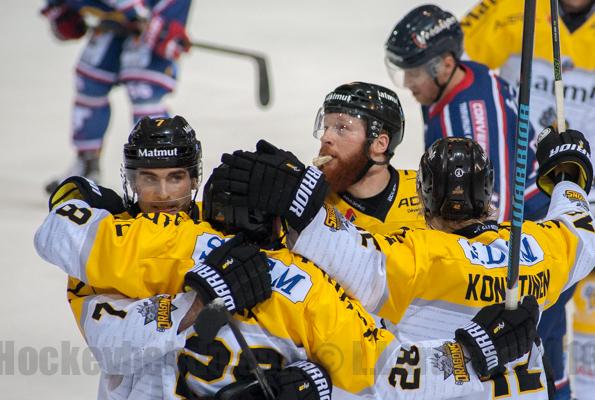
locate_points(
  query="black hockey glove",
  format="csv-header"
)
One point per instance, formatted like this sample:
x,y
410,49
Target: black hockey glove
x,y
302,380
568,153
237,272
273,181
78,187
496,336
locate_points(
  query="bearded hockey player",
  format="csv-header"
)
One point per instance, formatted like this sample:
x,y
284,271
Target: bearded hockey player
x,y
460,98
359,126
415,277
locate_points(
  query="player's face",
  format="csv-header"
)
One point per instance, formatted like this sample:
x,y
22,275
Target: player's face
x,y
167,190
575,6
421,84
343,138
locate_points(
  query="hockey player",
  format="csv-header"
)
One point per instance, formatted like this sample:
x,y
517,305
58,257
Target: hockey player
x,y
134,43
360,125
459,98
416,277
308,314
493,36
161,172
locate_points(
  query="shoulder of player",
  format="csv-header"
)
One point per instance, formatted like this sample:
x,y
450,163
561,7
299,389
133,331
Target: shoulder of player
x,y
500,11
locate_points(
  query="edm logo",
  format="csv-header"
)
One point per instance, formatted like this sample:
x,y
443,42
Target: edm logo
x,y
495,254
290,281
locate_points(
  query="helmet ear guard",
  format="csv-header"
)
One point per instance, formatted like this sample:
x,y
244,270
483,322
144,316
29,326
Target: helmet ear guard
x,y
455,180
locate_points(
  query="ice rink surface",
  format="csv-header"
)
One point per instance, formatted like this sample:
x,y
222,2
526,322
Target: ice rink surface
x,y
313,46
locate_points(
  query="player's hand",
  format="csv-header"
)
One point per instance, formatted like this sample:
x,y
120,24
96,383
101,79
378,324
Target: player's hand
x,y
78,187
236,271
273,181
167,38
496,336
66,23
565,156
302,380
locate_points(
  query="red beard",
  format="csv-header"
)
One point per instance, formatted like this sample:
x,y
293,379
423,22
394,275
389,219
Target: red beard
x,y
341,173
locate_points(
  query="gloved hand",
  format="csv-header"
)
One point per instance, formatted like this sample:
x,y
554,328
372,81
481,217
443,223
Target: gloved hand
x,y
564,156
167,38
302,380
66,23
273,181
496,336
78,187
237,272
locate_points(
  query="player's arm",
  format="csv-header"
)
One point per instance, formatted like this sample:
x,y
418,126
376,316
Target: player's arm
x,y
565,174
362,358
493,32
125,334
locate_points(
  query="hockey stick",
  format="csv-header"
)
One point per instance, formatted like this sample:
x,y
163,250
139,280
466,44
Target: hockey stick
x,y
517,200
211,319
264,91
558,84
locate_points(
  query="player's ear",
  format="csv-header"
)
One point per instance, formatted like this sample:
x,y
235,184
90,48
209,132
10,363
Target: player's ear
x,y
380,144
195,184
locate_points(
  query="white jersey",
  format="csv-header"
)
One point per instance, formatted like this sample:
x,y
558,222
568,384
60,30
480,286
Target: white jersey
x,y
429,283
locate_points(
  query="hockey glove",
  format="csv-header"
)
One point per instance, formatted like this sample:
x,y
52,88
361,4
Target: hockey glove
x,y
273,181
496,336
564,156
78,187
167,38
66,23
302,380
237,272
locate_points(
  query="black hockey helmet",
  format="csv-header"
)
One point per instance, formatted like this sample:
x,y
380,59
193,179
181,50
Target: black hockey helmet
x,y
378,106
222,214
163,143
455,179
424,33
160,143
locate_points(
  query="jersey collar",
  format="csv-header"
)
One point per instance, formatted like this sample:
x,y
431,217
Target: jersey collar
x,y
437,108
477,229
379,205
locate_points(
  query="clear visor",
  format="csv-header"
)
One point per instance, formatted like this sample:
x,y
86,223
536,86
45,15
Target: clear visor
x,y
341,124
411,77
168,190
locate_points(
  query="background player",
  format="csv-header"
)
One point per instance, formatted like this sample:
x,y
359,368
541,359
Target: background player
x,y
459,98
493,36
135,44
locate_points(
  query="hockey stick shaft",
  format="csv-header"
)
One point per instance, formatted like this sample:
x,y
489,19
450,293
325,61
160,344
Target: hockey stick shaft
x,y
517,200
264,87
558,84
212,318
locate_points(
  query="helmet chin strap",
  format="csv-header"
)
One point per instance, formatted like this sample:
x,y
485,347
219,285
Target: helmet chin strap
x,y
370,162
442,88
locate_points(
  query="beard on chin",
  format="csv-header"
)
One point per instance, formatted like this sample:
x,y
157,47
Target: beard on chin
x,y
343,172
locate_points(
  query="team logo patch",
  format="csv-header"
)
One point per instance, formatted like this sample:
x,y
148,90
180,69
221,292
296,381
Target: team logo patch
x,y
333,219
158,309
452,362
577,198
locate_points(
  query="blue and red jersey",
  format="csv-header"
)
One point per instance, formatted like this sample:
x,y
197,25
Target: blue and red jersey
x,y
483,107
